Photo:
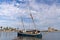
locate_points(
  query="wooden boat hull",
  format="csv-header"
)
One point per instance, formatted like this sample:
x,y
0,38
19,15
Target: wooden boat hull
x,y
29,35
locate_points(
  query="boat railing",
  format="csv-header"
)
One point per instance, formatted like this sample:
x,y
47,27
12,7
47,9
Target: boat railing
x,y
33,32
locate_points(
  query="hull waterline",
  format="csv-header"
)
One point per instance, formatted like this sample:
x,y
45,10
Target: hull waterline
x,y
29,35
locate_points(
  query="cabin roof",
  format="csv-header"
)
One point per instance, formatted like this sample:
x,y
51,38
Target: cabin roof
x,y
32,30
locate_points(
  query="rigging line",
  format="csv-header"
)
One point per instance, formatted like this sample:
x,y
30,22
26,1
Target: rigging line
x,y
33,20
31,14
22,23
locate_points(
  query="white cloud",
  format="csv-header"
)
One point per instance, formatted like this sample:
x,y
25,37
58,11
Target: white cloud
x,y
46,15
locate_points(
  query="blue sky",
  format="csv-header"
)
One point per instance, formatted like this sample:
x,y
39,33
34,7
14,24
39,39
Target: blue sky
x,y
46,13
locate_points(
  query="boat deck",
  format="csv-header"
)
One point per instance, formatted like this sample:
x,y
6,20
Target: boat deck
x,y
32,32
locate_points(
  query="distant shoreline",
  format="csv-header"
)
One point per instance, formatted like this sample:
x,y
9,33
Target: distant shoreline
x,y
8,31
18,30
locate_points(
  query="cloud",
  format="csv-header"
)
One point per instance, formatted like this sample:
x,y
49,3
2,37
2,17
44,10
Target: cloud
x,y
45,13
11,14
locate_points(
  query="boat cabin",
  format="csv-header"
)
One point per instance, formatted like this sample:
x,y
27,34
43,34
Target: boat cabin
x,y
33,31
30,31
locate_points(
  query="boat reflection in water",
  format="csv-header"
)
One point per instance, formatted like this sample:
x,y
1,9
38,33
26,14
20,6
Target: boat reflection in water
x,y
27,38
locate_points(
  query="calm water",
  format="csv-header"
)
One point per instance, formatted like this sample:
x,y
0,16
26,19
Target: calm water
x,y
13,36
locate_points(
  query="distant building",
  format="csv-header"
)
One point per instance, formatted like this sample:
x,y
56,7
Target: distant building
x,y
51,29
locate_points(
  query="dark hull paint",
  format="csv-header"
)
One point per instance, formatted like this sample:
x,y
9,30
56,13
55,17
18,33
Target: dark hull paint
x,y
30,35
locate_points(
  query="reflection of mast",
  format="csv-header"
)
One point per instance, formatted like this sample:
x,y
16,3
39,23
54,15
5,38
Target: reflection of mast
x,y
22,23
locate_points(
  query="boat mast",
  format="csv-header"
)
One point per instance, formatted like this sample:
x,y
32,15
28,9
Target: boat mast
x,y
33,21
22,23
31,15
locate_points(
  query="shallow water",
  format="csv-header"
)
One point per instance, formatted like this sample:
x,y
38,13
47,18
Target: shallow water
x,y
13,36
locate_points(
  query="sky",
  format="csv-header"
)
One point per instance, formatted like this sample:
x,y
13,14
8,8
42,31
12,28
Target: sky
x,y
46,13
